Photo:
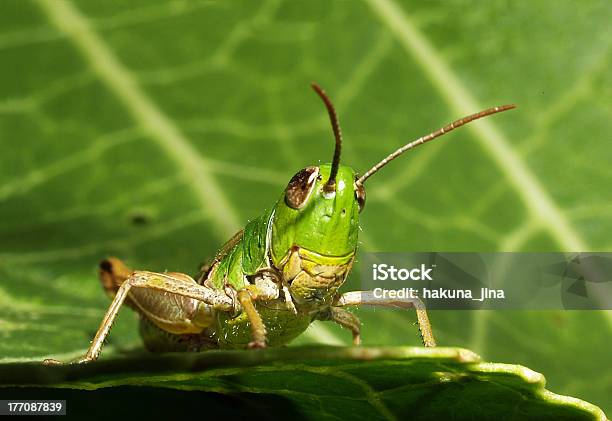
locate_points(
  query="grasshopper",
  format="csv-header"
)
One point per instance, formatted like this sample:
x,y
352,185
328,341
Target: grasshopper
x,y
273,278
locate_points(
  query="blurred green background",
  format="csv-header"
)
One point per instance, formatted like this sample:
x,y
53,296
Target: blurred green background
x,y
154,130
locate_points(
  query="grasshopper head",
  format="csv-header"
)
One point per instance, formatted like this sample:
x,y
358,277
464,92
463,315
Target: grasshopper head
x,y
310,216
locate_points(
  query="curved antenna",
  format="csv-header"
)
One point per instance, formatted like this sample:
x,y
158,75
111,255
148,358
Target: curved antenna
x,y
331,183
431,136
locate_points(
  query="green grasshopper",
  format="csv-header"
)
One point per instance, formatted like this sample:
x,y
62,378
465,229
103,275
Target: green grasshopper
x,y
272,279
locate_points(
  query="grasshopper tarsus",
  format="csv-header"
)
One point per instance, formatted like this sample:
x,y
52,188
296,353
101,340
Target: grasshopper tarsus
x,y
256,345
81,360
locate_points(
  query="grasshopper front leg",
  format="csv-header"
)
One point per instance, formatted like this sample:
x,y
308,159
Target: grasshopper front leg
x,y
344,318
258,329
179,284
264,288
356,298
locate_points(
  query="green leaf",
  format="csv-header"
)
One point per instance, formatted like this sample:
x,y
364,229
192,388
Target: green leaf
x,y
381,383
153,130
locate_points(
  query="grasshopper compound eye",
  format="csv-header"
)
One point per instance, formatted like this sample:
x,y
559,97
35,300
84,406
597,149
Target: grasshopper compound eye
x,y
360,195
300,187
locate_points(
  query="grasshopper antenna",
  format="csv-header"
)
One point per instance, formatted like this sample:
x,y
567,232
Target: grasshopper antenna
x,y
431,136
333,117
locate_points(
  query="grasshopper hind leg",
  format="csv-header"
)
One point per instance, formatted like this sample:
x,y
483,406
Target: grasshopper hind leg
x,y
173,301
113,273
